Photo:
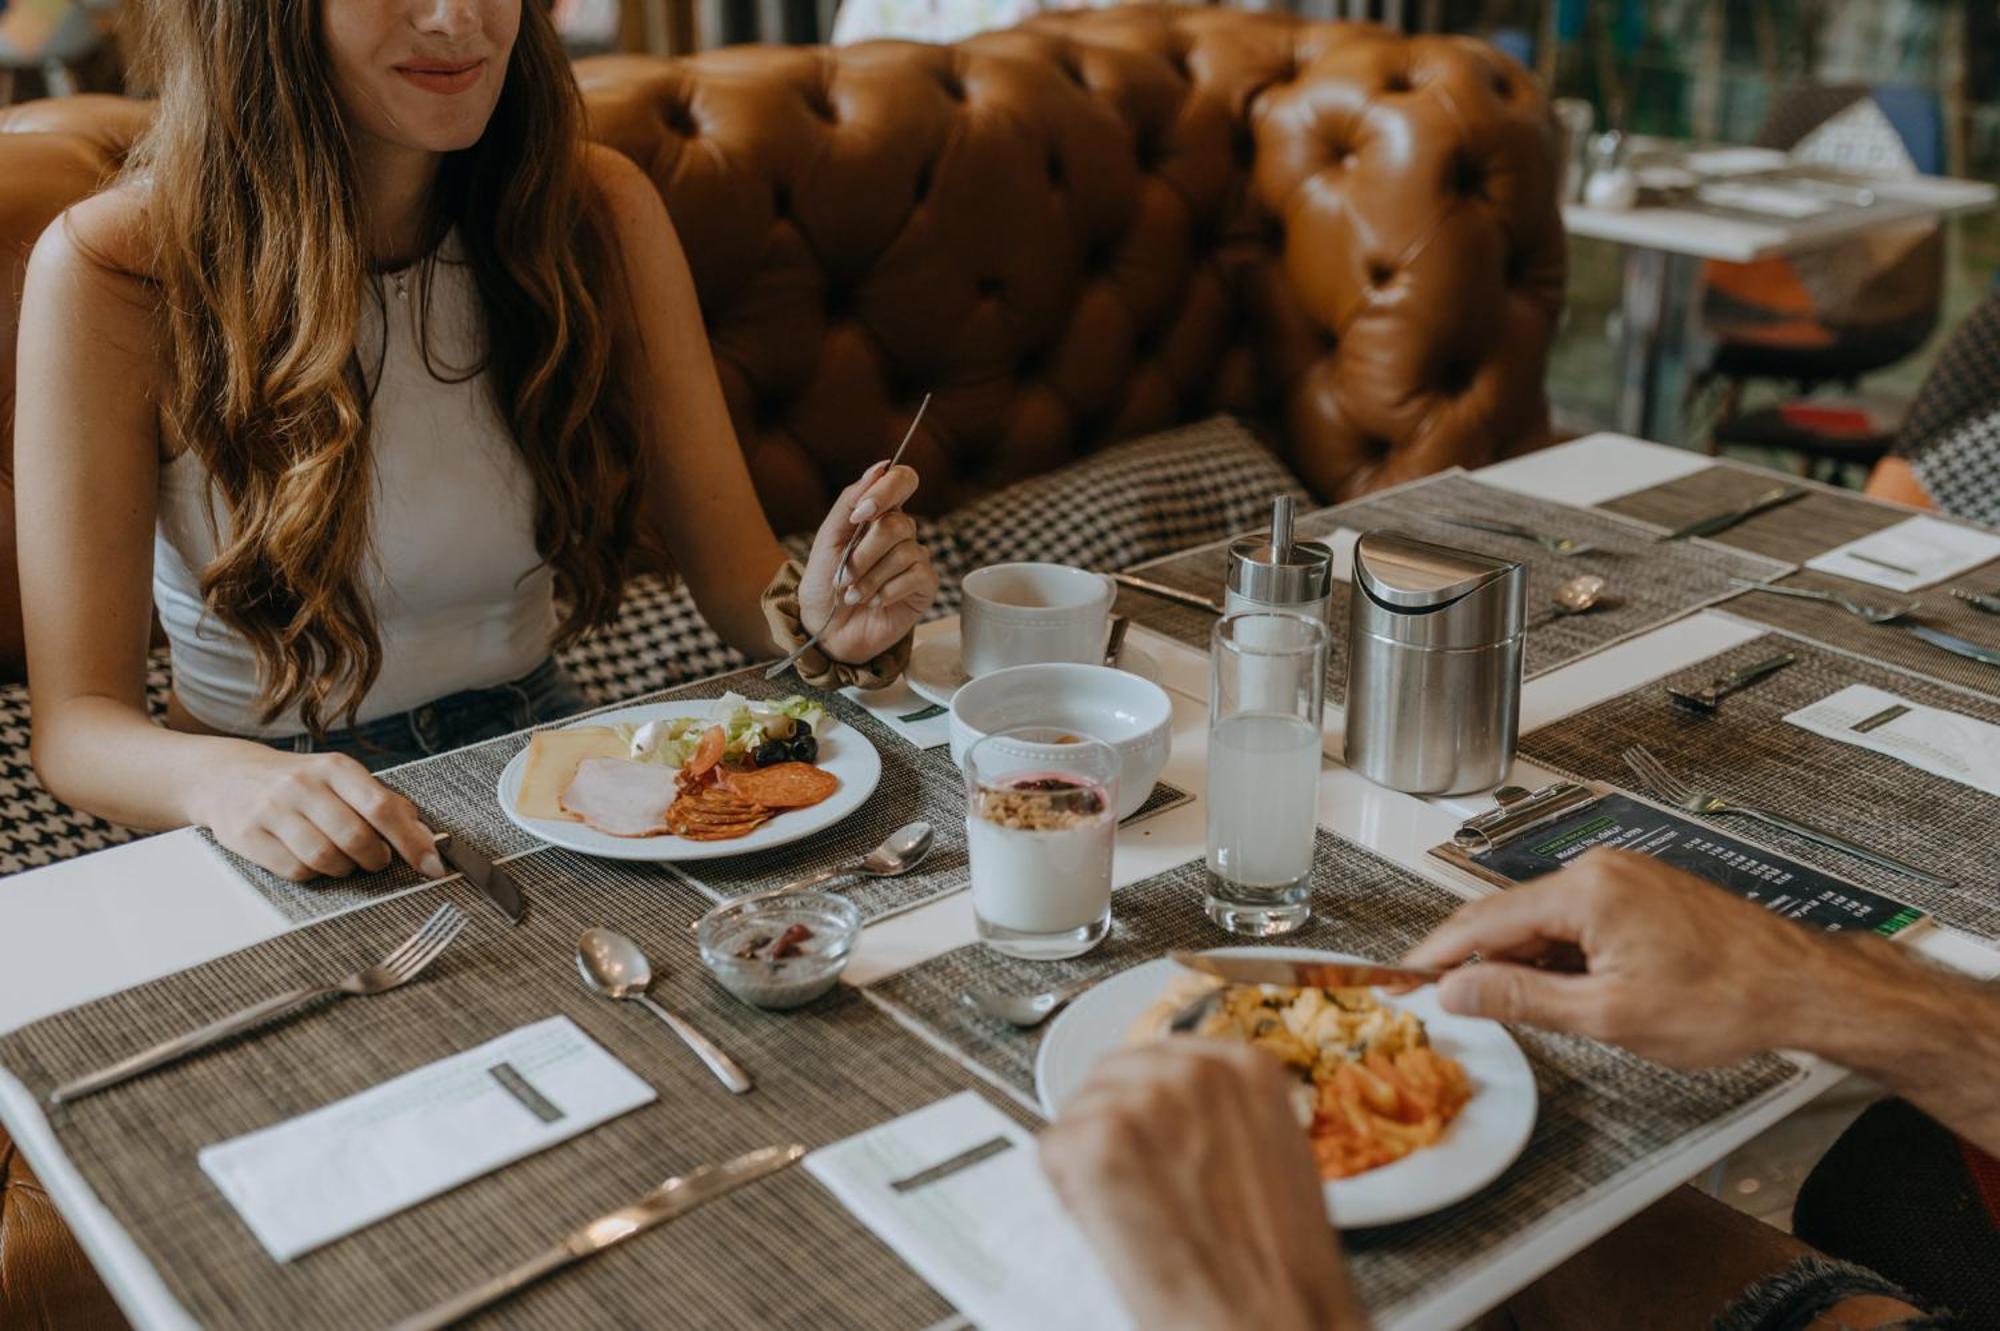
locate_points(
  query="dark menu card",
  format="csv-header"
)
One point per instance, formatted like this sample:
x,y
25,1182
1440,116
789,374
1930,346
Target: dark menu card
x,y
1794,890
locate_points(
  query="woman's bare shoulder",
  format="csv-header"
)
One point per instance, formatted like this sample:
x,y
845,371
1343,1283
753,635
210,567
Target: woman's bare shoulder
x,y
89,295
106,234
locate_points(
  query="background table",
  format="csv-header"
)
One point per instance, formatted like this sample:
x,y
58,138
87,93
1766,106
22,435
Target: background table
x,y
166,903
1663,246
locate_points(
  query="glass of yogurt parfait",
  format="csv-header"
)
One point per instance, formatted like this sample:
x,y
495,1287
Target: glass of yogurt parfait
x,y
1040,818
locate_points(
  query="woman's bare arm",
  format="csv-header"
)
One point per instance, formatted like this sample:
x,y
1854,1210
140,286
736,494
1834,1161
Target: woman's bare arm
x,y
86,467
87,476
699,496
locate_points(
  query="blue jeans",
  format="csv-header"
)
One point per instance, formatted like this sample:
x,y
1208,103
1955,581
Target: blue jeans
x,y
546,693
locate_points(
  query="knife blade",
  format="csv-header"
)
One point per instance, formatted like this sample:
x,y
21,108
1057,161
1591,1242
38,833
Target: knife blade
x,y
1972,651
1302,974
498,885
676,1197
1715,522
1179,595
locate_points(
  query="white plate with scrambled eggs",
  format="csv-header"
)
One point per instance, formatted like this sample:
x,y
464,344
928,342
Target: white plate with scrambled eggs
x,y
1444,1102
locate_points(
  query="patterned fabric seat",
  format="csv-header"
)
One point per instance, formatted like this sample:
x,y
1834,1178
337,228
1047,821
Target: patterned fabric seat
x,y
1116,508
1952,437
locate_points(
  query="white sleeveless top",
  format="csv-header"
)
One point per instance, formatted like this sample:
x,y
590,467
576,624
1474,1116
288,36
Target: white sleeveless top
x,y
462,599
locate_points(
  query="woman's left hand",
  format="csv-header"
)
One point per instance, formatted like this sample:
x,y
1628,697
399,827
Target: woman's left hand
x,y
889,581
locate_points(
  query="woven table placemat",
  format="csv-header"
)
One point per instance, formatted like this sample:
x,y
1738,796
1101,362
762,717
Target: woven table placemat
x,y
1793,532
1811,526
456,793
1829,624
1747,752
1647,583
1602,1112
780,1253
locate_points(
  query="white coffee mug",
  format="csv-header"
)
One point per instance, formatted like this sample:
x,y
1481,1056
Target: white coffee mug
x,y
1023,614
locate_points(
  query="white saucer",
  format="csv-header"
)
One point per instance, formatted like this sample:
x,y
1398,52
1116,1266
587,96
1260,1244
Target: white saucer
x,y
936,673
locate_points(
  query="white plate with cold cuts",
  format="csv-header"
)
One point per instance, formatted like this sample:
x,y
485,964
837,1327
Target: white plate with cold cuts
x,y
843,751
1482,1141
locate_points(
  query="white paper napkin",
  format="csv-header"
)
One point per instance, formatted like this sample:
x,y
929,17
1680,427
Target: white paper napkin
x,y
991,1236
1912,554
303,1183
899,708
1948,744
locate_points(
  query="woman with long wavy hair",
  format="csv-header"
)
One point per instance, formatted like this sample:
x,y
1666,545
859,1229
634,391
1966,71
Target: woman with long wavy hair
x,y
376,372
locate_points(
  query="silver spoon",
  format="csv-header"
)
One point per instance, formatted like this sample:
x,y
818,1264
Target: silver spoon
x,y
901,851
613,965
1575,596
1024,1010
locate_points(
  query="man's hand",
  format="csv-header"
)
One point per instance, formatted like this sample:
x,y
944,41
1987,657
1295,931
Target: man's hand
x,y
1673,967
1187,1170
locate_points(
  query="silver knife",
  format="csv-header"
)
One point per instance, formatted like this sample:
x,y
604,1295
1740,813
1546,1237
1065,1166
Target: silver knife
x,y
1166,593
1952,643
675,1197
1302,974
1715,522
498,885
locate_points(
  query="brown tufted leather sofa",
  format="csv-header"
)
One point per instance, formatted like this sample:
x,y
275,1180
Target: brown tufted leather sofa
x,y
1089,227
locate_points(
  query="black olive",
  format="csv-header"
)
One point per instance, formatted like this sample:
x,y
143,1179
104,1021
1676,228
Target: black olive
x,y
805,748
769,752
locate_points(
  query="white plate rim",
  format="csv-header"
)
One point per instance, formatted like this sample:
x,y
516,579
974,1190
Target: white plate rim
x,y
1132,658
854,760
1486,1137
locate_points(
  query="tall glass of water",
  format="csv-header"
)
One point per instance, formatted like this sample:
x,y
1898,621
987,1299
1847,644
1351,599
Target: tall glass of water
x,y
1041,816
1267,685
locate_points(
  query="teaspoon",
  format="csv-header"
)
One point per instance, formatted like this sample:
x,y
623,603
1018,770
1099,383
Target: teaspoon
x,y
613,965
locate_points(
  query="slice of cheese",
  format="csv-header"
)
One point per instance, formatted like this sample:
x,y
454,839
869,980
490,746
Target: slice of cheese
x,y
553,757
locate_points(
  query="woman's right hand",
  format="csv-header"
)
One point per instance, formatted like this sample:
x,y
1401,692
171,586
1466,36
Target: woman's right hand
x,y
310,815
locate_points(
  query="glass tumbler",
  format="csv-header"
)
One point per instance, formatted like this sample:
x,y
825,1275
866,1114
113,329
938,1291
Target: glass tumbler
x,y
1041,809
1267,686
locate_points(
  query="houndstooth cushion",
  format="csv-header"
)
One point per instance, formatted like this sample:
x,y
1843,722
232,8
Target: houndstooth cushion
x,y
1139,500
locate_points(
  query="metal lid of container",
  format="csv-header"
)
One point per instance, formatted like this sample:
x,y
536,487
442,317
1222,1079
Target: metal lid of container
x,y
1271,568
1435,596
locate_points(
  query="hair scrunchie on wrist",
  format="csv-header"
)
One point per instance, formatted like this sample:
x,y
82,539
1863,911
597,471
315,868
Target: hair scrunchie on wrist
x,y
815,667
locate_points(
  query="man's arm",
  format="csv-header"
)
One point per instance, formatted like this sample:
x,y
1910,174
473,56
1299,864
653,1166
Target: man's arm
x,y
1931,1037
1681,971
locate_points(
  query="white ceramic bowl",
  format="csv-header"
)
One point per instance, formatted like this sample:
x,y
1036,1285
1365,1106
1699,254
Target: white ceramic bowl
x,y
1132,715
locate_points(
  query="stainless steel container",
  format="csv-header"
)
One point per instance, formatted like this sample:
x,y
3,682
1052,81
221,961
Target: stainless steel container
x,y
1273,571
1434,641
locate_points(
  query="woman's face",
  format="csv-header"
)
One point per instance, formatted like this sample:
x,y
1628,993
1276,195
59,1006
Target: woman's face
x,y
420,74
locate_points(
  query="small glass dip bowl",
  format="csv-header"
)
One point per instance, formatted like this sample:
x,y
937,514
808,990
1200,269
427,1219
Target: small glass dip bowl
x,y
779,949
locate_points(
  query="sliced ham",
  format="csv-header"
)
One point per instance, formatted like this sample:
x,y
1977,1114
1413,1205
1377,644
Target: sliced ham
x,y
619,797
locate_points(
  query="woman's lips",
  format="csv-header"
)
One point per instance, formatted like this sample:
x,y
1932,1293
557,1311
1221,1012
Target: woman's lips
x,y
443,78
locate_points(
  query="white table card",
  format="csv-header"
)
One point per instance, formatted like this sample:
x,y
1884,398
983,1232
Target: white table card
x,y
1910,555
1947,744
955,1190
306,1182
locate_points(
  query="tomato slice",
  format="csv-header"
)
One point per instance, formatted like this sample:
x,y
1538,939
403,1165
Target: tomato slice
x,y
707,753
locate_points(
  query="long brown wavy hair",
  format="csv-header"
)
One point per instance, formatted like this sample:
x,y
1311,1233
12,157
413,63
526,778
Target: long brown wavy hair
x,y
260,270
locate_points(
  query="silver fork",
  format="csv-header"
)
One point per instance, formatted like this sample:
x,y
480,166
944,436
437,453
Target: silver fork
x,y
419,950
1873,614
1654,775
854,539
